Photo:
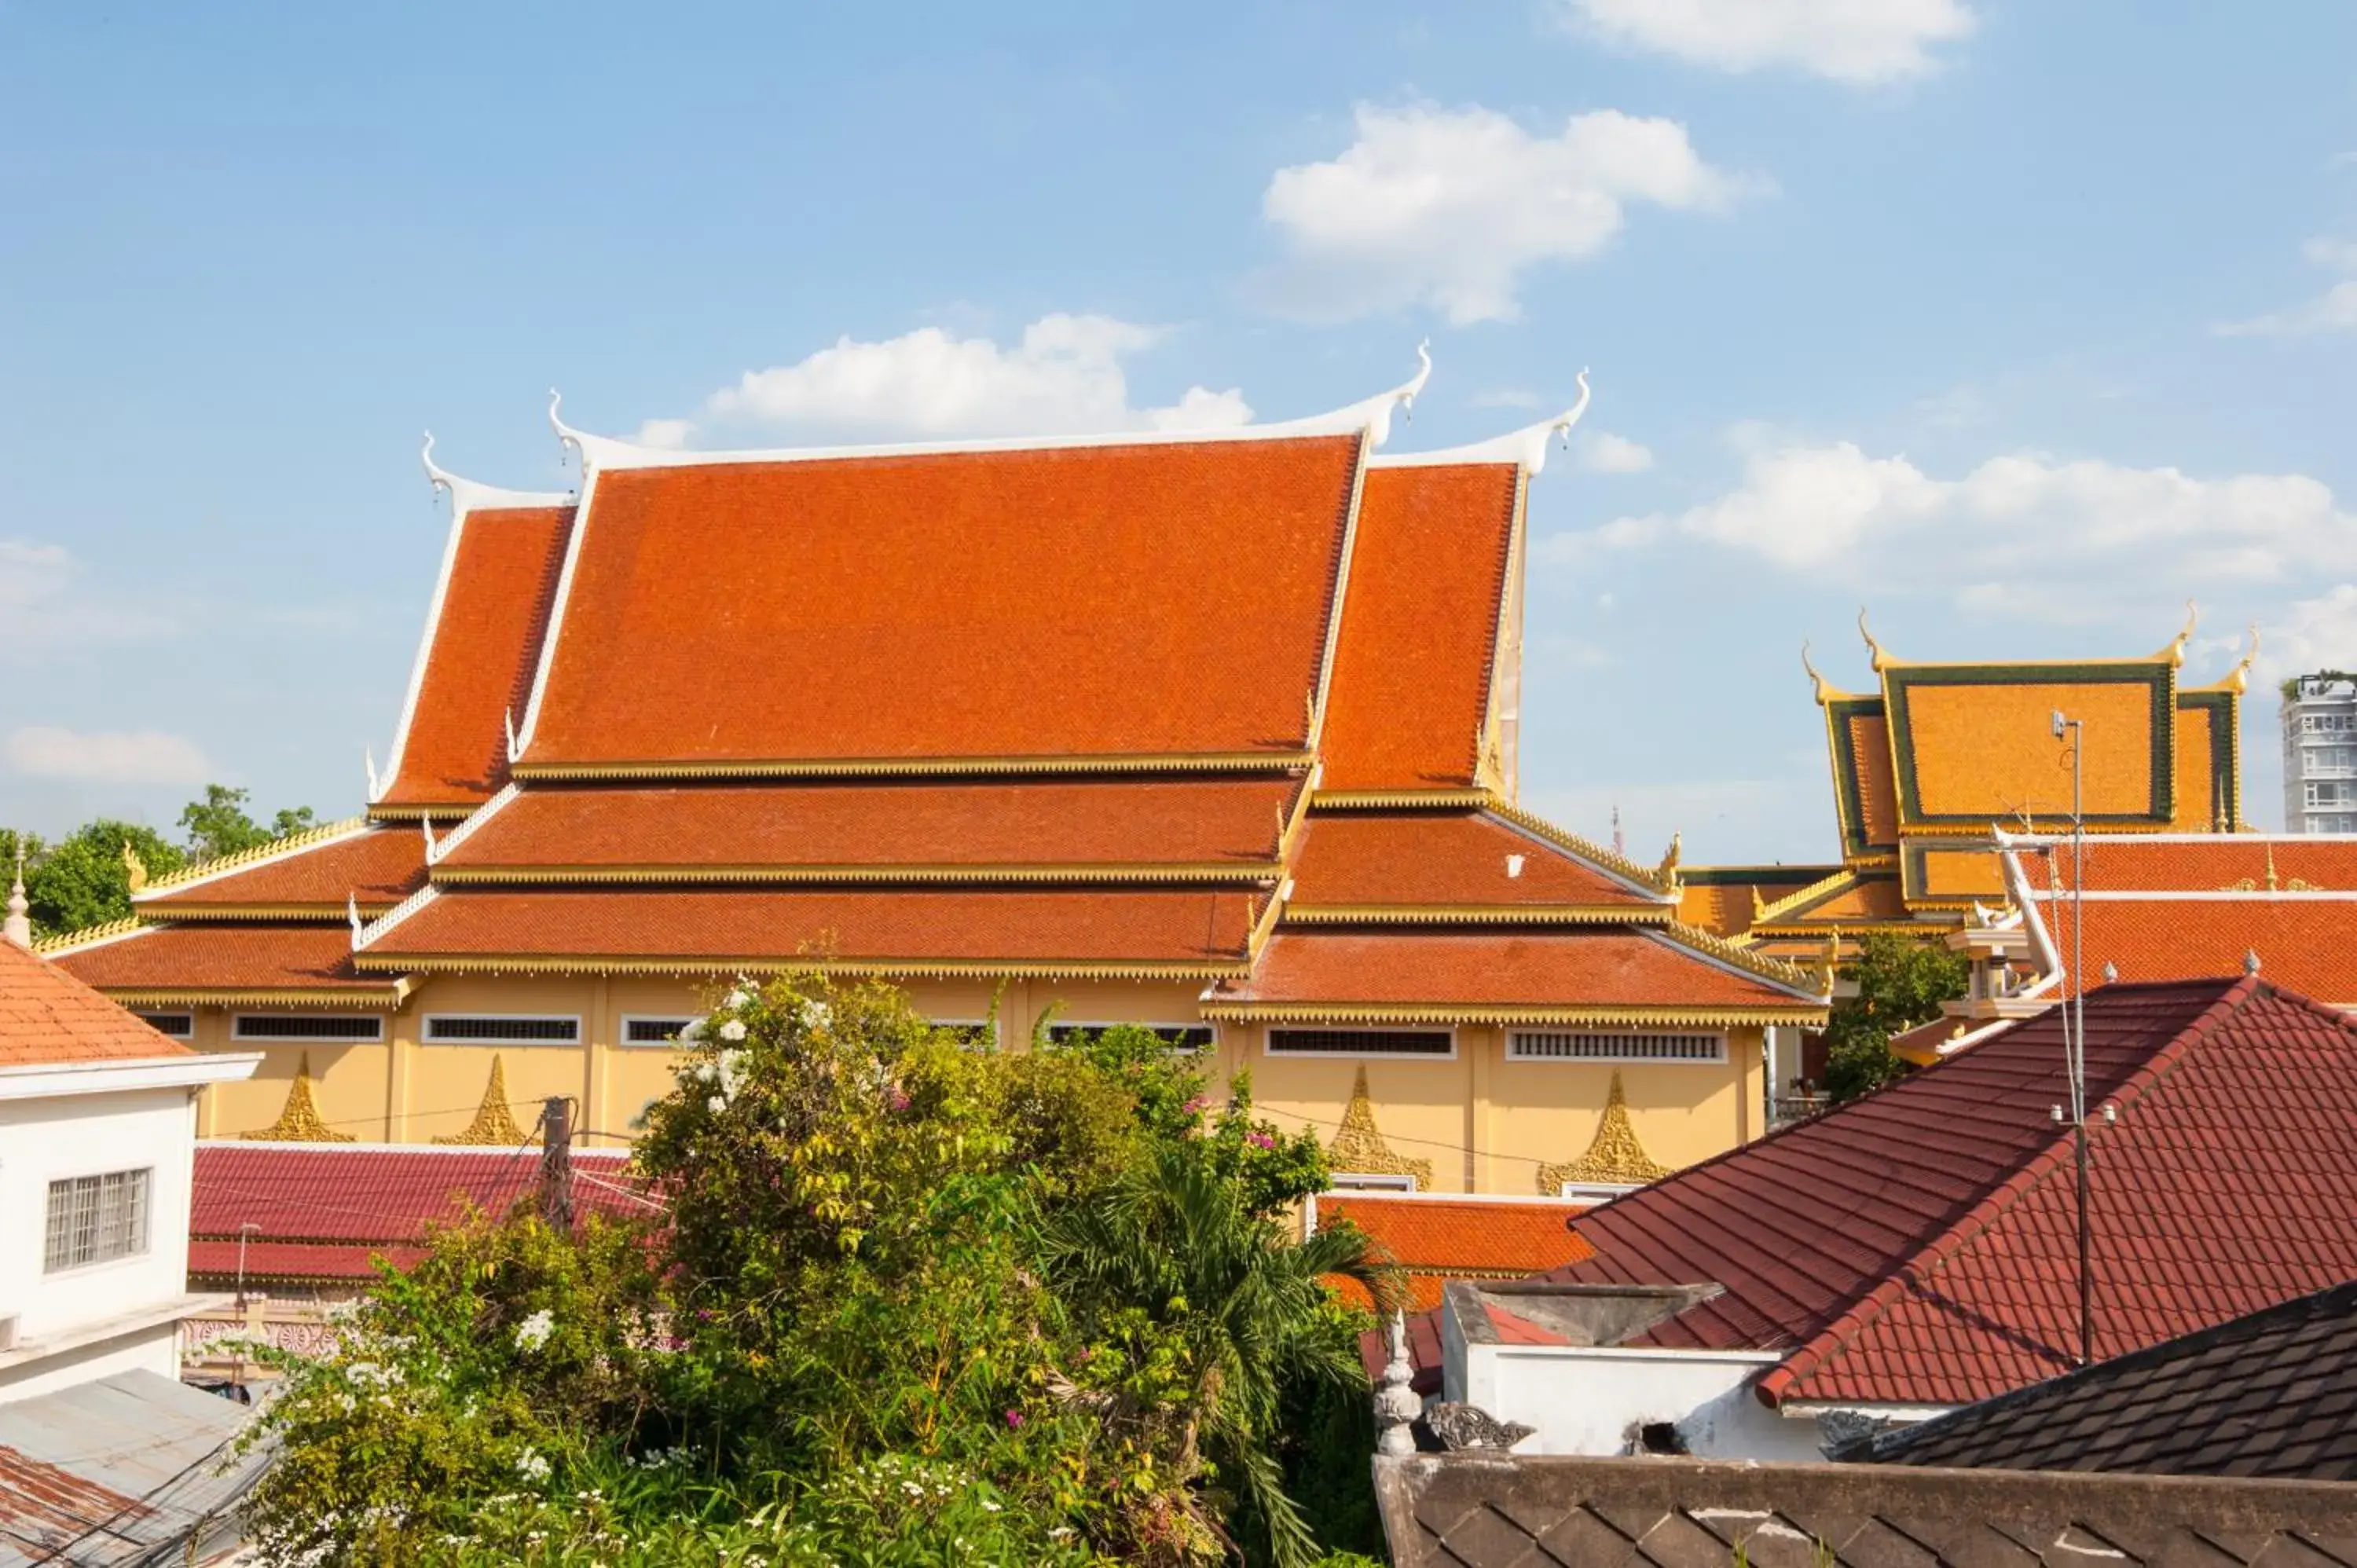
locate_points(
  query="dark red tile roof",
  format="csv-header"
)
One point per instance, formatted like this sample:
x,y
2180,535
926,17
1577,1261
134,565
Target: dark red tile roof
x,y
321,1213
47,1015
379,866
1088,601
1047,932
1918,1246
478,657
1420,626
890,827
1445,858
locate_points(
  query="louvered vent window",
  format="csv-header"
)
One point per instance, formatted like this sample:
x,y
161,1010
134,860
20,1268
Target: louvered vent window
x,y
642,1031
306,1026
180,1025
1361,1043
1559,1045
1177,1036
501,1029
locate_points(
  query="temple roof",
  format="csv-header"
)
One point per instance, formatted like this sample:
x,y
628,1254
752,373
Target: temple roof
x,y
1420,628
1108,605
310,874
221,961
1186,829
475,662
1453,865
1574,975
1085,931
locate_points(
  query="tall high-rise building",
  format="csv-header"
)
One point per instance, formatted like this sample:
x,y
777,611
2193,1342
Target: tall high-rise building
x,y
2320,741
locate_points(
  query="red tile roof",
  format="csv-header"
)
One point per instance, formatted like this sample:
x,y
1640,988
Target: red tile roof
x,y
2213,863
1917,1246
241,957
321,1213
1460,858
49,1017
1063,931
380,865
1112,825
1437,1239
2311,948
1482,973
1420,628
1098,601
479,656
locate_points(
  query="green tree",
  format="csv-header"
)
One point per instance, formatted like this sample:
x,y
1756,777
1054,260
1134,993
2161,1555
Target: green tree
x,y
219,825
1901,980
84,880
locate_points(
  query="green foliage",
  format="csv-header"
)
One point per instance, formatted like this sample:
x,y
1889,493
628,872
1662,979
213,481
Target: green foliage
x,y
1901,980
217,824
82,880
910,1303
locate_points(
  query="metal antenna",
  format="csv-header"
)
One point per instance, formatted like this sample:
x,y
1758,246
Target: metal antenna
x,y
2074,1020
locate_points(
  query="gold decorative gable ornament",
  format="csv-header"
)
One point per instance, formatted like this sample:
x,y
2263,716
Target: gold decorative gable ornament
x,y
134,870
1359,1148
493,1127
299,1123
1666,875
1615,1158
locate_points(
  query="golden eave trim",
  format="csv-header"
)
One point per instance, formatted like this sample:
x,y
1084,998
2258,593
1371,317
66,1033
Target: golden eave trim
x,y
1649,877
1476,915
1469,1013
1244,873
1848,926
434,814
321,913
1825,887
220,865
964,969
1399,799
1881,860
66,942
893,767
370,997
1709,945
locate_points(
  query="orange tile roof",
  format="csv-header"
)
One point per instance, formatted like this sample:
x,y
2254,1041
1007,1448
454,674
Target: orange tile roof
x,y
478,657
1982,749
219,956
1419,628
2212,864
1878,795
1115,823
379,866
1430,859
2305,946
1719,898
1462,1238
1863,897
1081,602
1477,973
47,1016
2197,808
616,930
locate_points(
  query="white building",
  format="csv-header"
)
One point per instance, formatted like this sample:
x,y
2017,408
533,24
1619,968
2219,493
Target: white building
x,y
98,1126
2320,741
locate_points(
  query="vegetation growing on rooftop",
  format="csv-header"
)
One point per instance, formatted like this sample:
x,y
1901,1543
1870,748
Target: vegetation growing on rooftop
x,y
905,1302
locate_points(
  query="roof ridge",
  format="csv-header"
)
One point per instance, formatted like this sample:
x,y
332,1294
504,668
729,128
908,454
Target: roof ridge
x,y
2043,1162
89,936
1708,944
1647,878
285,843
1823,885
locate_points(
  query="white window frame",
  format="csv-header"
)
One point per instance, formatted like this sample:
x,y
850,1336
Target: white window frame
x,y
146,1239
1269,1034
237,1030
1719,1058
686,1020
148,1017
1055,1024
1592,1191
1370,1181
426,1029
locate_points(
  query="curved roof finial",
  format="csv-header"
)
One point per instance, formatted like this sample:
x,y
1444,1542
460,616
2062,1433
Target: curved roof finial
x,y
368,760
2175,653
1881,659
2238,680
1527,446
508,718
1826,690
426,826
352,916
436,476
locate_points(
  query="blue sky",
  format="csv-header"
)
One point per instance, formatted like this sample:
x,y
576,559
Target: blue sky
x,y
2017,323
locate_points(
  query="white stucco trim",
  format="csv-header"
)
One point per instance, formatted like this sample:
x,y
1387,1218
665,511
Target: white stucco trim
x,y
42,1080
155,1315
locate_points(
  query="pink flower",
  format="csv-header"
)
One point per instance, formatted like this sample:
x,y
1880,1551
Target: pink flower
x,y
1260,1140
1014,1418
899,1101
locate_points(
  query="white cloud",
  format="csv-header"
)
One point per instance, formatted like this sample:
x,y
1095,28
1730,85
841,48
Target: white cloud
x,y
2335,310
1449,207
1600,452
39,603
2311,635
2025,534
133,756
1065,376
1862,42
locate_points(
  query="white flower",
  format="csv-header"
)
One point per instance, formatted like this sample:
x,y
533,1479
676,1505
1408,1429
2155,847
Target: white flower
x,y
693,1030
531,1466
533,1331
816,1014
733,1030
715,1105
741,997
989,1507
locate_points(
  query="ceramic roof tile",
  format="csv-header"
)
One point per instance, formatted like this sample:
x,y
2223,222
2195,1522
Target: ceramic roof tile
x,y
2212,862
1079,602
1461,1238
47,1015
215,956
1419,628
891,827
476,661
1371,859
1048,932
1973,743
379,866
2308,947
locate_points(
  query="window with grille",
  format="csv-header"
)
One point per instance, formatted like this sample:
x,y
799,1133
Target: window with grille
x,y
306,1026
649,1031
1361,1043
1177,1036
1367,1181
500,1030
95,1220
180,1025
1578,1046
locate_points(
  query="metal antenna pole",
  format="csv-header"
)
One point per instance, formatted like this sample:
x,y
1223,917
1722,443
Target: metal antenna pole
x,y
2074,1031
